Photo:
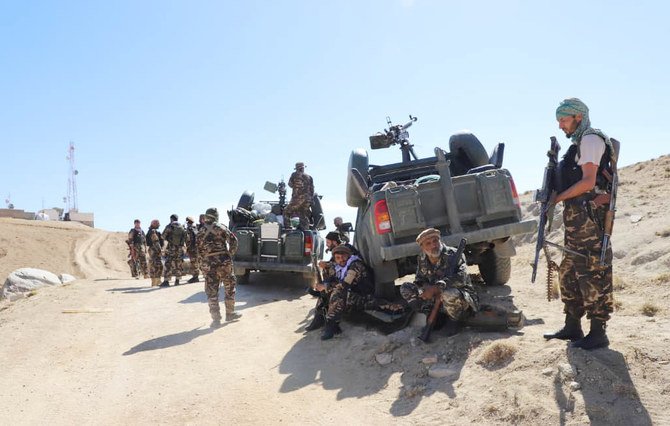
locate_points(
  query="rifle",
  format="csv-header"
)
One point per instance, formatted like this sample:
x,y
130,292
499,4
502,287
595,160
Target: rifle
x,y
543,196
437,296
317,270
609,215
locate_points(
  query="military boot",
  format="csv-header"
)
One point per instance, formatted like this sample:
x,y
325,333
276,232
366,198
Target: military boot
x,y
318,322
165,283
194,279
596,337
216,318
155,282
572,330
330,330
176,281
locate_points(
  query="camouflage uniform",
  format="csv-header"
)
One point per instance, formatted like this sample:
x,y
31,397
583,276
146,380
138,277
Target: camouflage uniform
x,y
301,199
217,246
348,289
137,240
459,298
192,248
586,287
175,235
154,243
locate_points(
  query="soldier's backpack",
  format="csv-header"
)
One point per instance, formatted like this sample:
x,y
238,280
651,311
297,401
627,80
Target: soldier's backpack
x,y
178,235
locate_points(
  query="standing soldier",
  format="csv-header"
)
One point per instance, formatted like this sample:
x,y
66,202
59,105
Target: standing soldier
x,y
301,197
217,246
155,244
201,223
586,286
137,244
342,228
192,249
175,235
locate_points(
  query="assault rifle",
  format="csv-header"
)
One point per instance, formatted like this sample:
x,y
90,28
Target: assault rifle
x,y
437,295
609,215
543,196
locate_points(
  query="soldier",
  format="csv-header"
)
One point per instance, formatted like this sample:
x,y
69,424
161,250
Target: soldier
x,y
137,244
175,235
301,197
217,246
350,288
155,244
201,222
586,287
434,278
192,249
342,228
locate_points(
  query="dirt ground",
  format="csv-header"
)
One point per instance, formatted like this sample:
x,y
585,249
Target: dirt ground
x,y
107,349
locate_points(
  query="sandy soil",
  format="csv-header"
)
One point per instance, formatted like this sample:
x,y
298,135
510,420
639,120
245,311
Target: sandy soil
x,y
107,349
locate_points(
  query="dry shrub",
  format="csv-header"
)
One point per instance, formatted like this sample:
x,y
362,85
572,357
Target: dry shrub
x,y
649,309
619,283
664,233
413,391
497,354
662,278
618,305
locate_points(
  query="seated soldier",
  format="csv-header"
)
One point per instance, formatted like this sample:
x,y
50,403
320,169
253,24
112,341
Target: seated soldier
x,y
348,288
435,281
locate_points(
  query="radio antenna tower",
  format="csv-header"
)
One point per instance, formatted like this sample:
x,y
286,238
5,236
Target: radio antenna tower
x,y
72,181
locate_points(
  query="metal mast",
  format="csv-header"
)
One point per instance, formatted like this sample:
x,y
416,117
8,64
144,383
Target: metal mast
x,y
72,181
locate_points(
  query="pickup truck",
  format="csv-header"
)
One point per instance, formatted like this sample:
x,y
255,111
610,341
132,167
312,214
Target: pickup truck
x,y
264,244
464,193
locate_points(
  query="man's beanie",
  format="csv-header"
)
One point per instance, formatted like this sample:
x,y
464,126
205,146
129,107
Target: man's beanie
x,y
174,217
212,213
342,250
426,234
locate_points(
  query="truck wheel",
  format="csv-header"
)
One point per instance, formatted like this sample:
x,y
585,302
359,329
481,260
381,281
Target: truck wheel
x,y
467,152
317,213
243,277
495,270
357,160
246,200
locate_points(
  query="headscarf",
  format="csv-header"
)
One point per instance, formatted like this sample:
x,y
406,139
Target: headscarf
x,y
572,107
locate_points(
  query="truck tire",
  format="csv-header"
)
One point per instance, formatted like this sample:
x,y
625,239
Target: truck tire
x,y
495,270
318,219
357,160
467,152
243,277
246,200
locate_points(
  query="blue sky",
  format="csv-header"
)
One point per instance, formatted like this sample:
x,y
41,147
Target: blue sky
x,y
177,106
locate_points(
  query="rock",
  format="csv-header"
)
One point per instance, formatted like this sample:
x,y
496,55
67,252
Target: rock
x,y
384,359
430,360
442,372
635,218
567,371
27,279
66,278
547,371
574,386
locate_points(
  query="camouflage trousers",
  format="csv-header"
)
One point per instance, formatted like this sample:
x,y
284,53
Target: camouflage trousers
x,y
174,262
586,287
337,301
155,264
219,269
195,261
454,303
139,265
300,208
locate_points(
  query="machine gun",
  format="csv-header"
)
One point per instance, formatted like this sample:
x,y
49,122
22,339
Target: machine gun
x,y
281,189
437,296
395,135
543,196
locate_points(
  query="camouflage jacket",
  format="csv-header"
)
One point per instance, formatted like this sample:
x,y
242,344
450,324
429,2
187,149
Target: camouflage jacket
x,y
136,237
440,274
354,276
216,239
191,235
175,236
154,240
302,185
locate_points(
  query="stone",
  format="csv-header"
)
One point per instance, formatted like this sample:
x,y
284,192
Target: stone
x,y
384,359
443,372
635,218
25,280
66,278
567,371
418,320
574,386
430,360
547,371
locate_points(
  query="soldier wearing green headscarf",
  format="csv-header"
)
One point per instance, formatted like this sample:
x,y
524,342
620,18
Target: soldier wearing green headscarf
x,y
586,177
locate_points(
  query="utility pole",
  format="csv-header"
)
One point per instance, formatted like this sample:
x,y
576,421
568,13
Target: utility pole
x,y
72,181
